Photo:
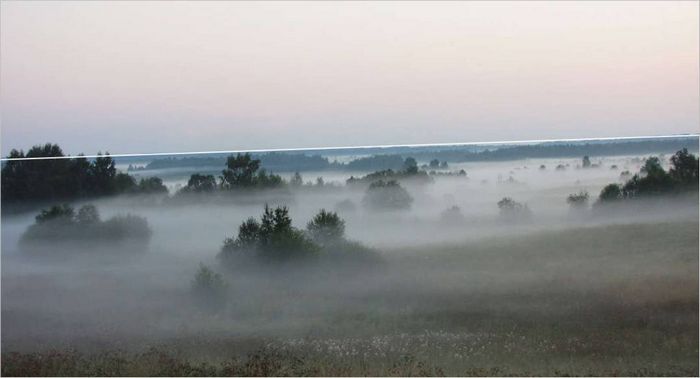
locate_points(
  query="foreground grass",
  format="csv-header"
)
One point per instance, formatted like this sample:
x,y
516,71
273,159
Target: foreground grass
x,y
601,301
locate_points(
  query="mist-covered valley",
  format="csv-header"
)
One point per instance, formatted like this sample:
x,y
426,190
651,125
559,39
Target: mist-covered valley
x,y
452,280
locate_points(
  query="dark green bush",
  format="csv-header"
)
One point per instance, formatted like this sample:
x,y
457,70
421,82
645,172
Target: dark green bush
x,y
271,239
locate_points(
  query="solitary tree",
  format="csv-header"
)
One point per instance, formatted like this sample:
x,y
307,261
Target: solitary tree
x,y
326,227
296,180
240,171
684,168
410,166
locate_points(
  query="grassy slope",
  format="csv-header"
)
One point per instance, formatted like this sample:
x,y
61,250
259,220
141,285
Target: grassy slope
x,y
613,300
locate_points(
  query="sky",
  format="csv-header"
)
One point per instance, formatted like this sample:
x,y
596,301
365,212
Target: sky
x,y
145,77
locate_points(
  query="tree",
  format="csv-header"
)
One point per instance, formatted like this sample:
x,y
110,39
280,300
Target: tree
x,y
200,183
387,195
102,172
124,183
684,168
611,192
244,172
326,227
410,166
152,185
435,163
240,171
296,180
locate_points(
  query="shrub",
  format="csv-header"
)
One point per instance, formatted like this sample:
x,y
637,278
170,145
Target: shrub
x,y
271,239
125,227
209,289
512,210
578,200
387,195
61,223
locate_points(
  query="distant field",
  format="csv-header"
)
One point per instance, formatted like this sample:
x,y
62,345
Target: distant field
x,y
614,300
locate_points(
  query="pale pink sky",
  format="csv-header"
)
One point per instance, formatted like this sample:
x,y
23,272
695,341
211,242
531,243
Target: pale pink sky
x,y
190,76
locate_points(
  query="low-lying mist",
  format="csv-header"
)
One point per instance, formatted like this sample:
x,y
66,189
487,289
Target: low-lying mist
x,y
467,270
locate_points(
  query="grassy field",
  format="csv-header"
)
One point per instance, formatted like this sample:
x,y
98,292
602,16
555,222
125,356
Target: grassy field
x,y
603,300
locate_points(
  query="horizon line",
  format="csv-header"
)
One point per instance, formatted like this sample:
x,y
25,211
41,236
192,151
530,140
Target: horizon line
x,y
293,149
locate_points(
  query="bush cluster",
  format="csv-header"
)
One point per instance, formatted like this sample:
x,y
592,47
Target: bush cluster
x,y
273,239
62,223
653,180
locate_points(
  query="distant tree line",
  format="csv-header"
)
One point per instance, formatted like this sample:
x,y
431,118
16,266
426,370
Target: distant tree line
x,y
437,157
276,161
409,170
242,172
561,150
